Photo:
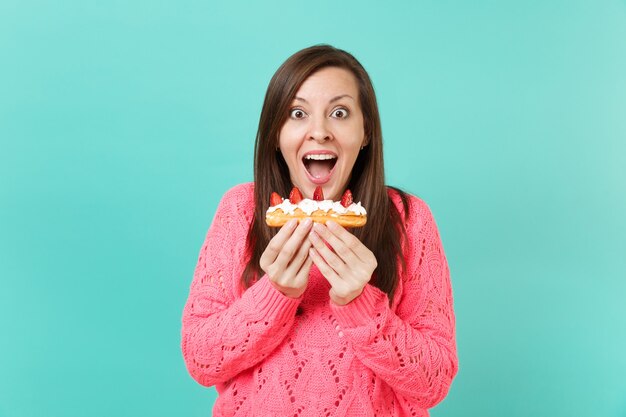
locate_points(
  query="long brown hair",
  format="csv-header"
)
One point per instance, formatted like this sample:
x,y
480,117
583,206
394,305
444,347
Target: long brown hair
x,y
385,229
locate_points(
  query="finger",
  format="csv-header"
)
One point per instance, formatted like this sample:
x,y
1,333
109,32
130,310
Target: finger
x,y
351,241
339,246
303,273
299,259
332,259
290,248
328,273
276,244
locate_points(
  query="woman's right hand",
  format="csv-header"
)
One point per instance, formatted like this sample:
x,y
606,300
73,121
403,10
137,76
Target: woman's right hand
x,y
286,259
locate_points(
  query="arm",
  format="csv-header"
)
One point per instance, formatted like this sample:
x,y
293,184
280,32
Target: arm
x,y
413,350
222,334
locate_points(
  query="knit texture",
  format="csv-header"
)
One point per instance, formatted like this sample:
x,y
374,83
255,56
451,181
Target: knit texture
x,y
270,355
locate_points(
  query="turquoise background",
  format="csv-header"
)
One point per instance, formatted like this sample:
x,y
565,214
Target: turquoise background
x,y
123,123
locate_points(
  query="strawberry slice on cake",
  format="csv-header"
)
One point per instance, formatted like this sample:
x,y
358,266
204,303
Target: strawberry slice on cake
x,y
344,212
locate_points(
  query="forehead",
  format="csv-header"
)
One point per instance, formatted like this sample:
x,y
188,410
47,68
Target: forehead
x,y
328,83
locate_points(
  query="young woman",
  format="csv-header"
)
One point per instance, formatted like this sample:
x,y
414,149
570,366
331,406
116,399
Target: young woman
x,y
313,319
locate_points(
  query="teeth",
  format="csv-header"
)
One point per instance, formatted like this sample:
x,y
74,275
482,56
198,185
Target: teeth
x,y
320,157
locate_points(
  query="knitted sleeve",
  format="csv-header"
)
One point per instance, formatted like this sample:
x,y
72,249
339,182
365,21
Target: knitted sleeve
x,y
224,334
412,349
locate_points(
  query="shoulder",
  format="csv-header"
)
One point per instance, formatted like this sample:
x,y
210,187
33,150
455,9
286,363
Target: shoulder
x,y
241,195
422,234
238,202
412,209
240,191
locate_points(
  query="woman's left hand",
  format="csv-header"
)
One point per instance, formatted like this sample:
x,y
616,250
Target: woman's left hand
x,y
348,266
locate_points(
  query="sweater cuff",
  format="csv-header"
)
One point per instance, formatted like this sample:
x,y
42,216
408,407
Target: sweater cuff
x,y
272,303
360,311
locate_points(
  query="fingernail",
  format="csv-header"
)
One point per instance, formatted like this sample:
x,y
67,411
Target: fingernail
x,y
292,223
307,222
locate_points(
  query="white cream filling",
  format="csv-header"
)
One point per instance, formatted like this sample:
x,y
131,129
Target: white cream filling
x,y
309,206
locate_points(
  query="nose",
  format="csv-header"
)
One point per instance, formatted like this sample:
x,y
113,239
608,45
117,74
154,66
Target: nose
x,y
319,130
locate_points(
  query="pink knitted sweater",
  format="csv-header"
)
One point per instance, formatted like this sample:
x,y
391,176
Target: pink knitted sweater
x,y
270,355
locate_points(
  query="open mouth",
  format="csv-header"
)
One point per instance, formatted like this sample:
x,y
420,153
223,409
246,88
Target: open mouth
x,y
319,166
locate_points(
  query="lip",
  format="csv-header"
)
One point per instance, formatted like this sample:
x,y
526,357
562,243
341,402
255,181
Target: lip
x,y
322,180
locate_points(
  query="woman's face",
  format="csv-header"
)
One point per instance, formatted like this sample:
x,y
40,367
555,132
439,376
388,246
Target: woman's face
x,y
323,135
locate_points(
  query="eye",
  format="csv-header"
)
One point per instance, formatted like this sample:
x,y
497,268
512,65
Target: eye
x,y
297,114
340,113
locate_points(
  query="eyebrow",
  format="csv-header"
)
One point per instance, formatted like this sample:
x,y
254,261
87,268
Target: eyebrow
x,y
331,100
